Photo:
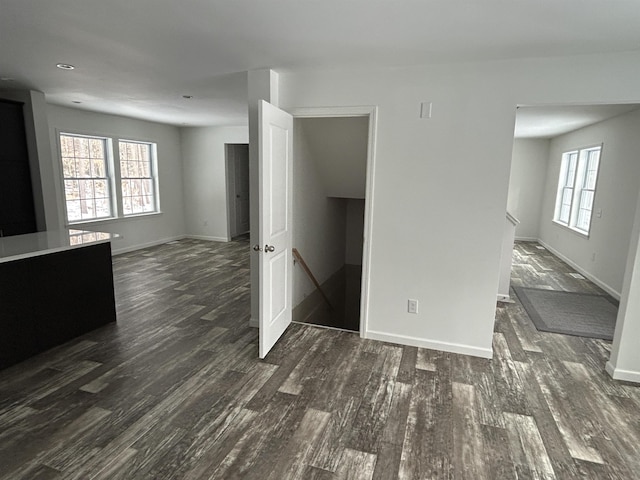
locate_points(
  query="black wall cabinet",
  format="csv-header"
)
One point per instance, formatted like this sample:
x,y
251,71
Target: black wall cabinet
x,y
17,212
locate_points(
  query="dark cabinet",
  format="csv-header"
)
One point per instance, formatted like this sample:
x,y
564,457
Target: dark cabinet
x,y
17,212
50,299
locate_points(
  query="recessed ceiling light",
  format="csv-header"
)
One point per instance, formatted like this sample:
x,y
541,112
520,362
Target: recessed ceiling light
x,y
65,66
188,97
76,101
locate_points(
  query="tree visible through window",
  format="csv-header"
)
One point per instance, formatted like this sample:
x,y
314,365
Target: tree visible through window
x,y
94,189
136,173
86,180
577,188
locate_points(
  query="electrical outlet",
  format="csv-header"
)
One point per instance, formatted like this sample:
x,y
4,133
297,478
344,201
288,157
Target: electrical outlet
x,y
412,306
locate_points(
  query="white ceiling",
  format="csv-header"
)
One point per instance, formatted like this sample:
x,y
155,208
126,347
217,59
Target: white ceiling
x,y
138,57
551,121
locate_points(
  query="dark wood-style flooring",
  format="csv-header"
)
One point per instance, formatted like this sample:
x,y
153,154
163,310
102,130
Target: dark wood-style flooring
x,y
175,391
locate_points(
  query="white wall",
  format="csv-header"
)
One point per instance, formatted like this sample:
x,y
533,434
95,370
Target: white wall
x,y
440,189
342,145
319,222
136,231
624,363
205,193
616,194
527,184
354,231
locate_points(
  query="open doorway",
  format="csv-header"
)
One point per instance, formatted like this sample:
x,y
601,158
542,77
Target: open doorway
x,y
330,192
573,187
237,180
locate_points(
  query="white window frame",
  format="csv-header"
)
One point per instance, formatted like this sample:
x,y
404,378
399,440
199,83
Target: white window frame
x,y
153,178
576,188
114,176
108,156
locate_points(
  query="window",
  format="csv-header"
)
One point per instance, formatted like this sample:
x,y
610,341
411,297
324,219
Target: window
x,y
136,172
577,188
86,177
96,189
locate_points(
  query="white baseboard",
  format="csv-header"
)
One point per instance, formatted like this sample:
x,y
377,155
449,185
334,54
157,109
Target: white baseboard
x,y
505,298
432,344
581,270
619,374
527,239
133,248
254,323
207,238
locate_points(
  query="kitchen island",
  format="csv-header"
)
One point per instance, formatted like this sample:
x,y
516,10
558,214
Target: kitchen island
x,y
54,286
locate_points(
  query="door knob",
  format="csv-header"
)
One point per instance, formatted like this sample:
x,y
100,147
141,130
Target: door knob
x,y
269,248
256,248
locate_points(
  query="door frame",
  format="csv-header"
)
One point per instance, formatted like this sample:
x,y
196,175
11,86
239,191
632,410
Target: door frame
x,y
370,111
230,187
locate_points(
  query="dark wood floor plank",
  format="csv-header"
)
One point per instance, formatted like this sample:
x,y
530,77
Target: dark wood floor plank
x,y
356,465
497,462
511,390
527,447
388,461
427,447
469,450
42,472
261,446
371,419
407,368
338,432
396,424
306,341
300,448
571,412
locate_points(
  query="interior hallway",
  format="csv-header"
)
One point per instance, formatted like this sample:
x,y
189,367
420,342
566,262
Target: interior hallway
x,y
536,267
175,390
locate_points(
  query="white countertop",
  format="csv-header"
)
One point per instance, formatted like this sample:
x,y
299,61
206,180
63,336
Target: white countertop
x,y
41,243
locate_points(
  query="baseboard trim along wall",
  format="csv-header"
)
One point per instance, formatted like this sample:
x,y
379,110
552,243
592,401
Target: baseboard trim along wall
x,y
209,239
255,323
619,374
578,268
526,239
432,344
133,248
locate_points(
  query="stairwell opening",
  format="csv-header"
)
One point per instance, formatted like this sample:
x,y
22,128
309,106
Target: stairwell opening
x,y
330,178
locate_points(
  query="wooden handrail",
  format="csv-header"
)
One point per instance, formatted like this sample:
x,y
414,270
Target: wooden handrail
x,y
305,267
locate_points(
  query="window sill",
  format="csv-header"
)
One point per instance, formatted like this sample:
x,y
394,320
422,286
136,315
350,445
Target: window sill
x,y
107,221
571,229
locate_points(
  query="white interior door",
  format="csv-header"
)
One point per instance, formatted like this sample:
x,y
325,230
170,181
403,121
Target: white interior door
x,y
275,184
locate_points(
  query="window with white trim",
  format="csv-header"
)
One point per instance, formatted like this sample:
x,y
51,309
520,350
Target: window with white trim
x,y
96,188
85,170
577,188
136,177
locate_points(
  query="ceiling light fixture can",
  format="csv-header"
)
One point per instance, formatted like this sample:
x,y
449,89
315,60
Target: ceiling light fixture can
x,y
65,66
